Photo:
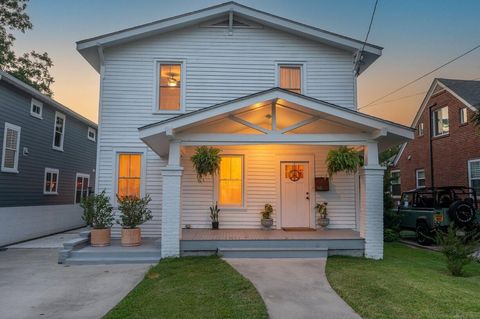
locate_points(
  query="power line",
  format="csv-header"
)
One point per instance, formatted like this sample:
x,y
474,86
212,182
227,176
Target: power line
x,y
421,77
359,57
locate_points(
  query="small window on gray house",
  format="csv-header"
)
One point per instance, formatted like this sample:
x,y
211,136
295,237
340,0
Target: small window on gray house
x,y
11,144
290,78
92,134
463,115
36,109
51,181
59,131
82,183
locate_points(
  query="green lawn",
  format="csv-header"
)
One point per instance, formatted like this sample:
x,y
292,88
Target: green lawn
x,y
192,287
408,283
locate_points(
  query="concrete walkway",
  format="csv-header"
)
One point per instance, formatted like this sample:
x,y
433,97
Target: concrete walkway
x,y
33,285
294,288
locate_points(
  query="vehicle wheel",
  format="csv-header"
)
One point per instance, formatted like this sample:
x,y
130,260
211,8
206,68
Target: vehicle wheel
x,y
423,234
462,213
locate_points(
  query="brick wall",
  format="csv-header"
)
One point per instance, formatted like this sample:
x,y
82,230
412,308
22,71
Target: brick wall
x,y
450,152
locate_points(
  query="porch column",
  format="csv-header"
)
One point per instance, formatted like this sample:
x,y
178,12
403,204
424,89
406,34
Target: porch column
x,y
171,187
371,203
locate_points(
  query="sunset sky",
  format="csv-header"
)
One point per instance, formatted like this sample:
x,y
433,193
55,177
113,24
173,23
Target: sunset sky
x,y
417,36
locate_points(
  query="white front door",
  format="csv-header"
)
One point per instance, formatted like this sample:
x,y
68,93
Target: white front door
x,y
295,186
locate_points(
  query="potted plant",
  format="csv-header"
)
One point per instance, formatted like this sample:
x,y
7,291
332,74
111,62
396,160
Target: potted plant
x,y
343,159
323,220
98,214
133,212
206,161
214,210
267,220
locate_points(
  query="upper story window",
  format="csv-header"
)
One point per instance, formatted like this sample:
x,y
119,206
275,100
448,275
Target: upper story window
x,y
290,77
170,89
420,129
59,131
129,174
230,181
11,144
92,134
440,121
420,178
463,115
36,109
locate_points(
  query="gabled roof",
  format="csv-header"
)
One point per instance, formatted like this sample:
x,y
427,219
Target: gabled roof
x,y
466,91
89,48
4,76
387,132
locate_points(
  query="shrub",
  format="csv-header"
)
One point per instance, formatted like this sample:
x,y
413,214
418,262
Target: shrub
x,y
390,235
97,211
267,211
214,211
206,161
343,159
391,220
133,211
457,248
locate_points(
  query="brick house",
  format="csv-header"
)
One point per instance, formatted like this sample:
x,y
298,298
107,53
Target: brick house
x,y
446,147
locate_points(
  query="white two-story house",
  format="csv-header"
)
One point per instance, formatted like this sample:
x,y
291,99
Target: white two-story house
x,y
273,94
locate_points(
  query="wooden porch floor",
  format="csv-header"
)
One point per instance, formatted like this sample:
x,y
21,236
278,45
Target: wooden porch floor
x,y
274,234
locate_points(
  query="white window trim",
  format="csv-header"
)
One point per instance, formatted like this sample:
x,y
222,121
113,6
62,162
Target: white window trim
x,y
82,175
156,83
94,138
53,171
400,179
434,122
303,71
40,105
131,150
463,119
416,177
470,172
60,115
18,129
216,187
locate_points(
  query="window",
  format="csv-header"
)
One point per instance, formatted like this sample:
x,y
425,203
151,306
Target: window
x,y
82,182
170,87
11,144
51,181
420,129
420,178
395,183
36,109
92,134
463,115
230,181
440,121
59,131
290,78
129,174
474,175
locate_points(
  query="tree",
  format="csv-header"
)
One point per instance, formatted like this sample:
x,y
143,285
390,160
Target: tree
x,y
32,68
476,119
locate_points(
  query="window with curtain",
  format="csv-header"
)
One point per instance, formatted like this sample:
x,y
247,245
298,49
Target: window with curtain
x,y
11,144
129,174
230,181
440,121
169,96
290,78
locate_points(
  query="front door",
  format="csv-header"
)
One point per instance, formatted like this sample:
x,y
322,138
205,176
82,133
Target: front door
x,y
295,185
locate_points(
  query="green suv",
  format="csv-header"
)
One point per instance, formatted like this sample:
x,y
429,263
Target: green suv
x,y
426,210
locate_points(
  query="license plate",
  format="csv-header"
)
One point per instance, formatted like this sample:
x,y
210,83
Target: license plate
x,y
439,218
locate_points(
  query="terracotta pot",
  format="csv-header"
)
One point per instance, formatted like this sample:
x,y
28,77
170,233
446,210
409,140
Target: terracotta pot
x,y
131,237
100,237
267,223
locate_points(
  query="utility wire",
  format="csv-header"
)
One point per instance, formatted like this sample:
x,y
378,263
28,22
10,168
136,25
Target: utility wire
x,y
357,64
423,76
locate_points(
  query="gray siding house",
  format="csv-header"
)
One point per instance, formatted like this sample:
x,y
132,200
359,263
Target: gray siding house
x,y
48,158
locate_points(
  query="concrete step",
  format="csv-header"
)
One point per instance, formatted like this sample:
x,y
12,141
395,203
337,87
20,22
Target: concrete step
x,y
110,260
286,252
91,252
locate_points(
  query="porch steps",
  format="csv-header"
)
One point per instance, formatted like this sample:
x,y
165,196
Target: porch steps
x,y
111,260
273,252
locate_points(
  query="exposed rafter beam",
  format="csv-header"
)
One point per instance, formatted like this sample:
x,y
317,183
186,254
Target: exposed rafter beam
x,y
274,114
251,125
299,124
379,133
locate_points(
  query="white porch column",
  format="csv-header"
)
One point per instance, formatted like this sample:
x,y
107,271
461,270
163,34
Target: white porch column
x,y
171,214
371,203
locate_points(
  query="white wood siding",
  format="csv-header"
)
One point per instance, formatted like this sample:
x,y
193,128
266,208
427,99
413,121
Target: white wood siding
x,y
262,186
219,68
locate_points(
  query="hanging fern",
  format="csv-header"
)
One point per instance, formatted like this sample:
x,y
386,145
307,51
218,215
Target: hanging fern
x,y
206,161
343,159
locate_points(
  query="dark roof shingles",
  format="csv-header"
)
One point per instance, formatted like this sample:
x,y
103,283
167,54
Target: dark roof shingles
x,y
469,90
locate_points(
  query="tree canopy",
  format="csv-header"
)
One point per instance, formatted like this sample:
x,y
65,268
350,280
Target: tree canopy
x,y
32,67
